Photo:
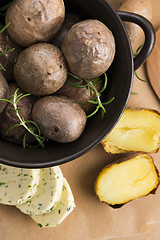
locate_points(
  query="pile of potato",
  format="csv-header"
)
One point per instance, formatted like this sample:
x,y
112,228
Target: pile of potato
x,y
48,43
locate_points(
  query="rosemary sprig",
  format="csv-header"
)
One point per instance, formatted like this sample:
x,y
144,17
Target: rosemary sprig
x,y
135,72
33,130
6,51
91,84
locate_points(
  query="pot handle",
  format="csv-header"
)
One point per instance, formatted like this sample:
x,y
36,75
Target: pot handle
x,y
149,32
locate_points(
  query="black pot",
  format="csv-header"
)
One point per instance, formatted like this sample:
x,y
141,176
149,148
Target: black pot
x,y
120,77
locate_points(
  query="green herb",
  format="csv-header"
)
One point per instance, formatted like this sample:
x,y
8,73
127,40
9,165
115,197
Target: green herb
x,y
39,225
6,51
4,8
26,124
59,211
135,93
92,87
2,13
68,208
2,183
4,28
135,72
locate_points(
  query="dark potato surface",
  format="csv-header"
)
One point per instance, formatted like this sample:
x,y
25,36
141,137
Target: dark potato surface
x,y
34,21
59,118
89,48
69,21
8,118
40,69
9,59
79,95
4,92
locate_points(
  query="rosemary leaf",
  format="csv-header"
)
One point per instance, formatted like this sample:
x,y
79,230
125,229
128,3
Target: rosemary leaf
x,y
5,7
2,67
4,28
139,77
93,113
7,51
12,127
109,101
105,83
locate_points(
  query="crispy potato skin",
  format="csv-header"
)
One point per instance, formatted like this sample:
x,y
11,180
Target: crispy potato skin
x,y
79,95
141,7
40,69
4,92
89,48
59,118
34,21
133,177
9,59
8,118
135,127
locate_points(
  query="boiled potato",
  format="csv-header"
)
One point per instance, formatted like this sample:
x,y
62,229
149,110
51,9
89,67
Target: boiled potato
x,y
34,21
40,69
143,8
8,117
4,92
9,59
128,179
89,48
137,130
59,118
69,21
78,94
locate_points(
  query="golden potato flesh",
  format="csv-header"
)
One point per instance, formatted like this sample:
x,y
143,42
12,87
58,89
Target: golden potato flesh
x,y
127,180
137,130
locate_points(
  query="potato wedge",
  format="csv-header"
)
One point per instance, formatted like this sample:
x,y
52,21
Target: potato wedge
x,y
138,130
127,180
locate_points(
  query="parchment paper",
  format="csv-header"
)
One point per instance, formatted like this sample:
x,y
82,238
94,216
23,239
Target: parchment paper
x,y
92,220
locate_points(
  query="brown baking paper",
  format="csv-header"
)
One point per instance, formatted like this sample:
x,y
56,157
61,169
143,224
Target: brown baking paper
x,y
92,220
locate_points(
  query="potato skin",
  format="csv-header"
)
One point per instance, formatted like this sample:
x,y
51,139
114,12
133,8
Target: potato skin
x,y
34,21
40,69
4,92
79,95
59,118
135,33
8,118
69,21
9,59
89,49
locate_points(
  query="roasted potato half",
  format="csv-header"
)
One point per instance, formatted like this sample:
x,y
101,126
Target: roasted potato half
x,y
126,180
138,130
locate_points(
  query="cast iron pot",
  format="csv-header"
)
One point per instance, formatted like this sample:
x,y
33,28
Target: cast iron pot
x,y
120,77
